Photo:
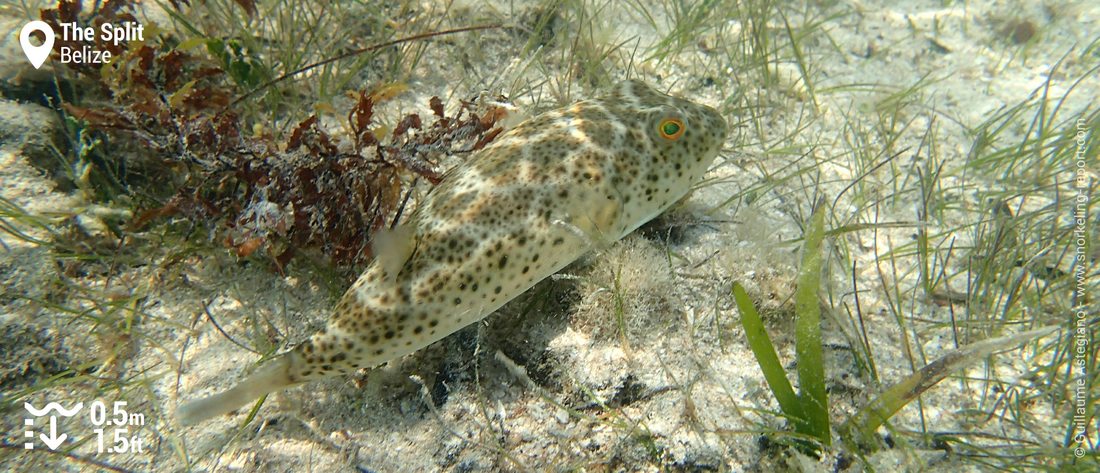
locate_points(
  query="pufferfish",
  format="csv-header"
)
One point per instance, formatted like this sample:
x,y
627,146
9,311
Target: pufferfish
x,y
539,197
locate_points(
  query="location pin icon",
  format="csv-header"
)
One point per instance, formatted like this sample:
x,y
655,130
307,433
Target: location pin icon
x,y
37,54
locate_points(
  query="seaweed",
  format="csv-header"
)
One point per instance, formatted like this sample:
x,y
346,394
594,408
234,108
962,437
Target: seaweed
x,y
315,189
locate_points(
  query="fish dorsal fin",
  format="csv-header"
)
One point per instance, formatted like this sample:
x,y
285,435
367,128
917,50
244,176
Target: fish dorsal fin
x,y
393,247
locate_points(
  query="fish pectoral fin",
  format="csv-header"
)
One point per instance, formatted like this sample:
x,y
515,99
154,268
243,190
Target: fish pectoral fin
x,y
596,227
392,248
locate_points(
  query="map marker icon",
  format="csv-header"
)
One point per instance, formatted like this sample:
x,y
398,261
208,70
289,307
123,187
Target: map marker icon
x,y
37,54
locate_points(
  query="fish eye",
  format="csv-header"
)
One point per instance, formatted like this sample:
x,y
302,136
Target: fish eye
x,y
671,128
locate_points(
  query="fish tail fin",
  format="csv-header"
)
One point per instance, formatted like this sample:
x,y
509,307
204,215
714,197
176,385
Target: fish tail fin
x,y
273,376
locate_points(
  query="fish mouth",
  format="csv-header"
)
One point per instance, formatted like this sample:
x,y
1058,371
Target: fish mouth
x,y
717,120
716,124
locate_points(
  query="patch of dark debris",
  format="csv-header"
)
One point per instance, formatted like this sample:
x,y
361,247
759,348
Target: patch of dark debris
x,y
31,354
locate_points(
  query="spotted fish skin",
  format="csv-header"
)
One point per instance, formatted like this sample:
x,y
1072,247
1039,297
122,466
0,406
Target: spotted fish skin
x,y
538,198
